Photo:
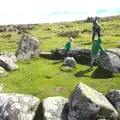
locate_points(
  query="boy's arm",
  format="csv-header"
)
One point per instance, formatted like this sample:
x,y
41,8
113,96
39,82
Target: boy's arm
x,y
66,45
101,49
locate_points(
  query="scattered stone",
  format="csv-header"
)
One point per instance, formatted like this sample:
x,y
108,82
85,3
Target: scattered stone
x,y
28,48
66,68
10,55
70,61
85,103
7,63
74,33
55,108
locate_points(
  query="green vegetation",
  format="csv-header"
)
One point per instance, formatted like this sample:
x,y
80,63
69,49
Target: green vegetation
x,y
40,77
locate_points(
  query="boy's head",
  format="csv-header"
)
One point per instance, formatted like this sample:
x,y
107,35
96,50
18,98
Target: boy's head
x,y
70,39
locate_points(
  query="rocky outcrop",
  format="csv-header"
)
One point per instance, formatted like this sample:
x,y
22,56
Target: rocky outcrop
x,y
17,106
70,61
85,103
55,108
28,48
81,55
110,62
3,72
114,98
7,63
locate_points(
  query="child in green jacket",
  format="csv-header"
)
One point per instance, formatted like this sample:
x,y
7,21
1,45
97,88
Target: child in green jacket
x,y
68,46
96,50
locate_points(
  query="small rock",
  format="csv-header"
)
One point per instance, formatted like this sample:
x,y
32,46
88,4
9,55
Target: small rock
x,y
70,61
7,63
66,68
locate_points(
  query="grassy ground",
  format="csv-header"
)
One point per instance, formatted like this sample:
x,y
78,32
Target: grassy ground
x,y
42,78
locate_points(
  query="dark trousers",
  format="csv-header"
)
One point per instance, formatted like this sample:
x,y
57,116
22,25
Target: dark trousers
x,y
67,53
95,30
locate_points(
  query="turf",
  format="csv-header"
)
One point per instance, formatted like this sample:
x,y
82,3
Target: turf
x,y
40,77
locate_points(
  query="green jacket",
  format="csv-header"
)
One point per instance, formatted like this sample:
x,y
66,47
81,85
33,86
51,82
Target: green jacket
x,y
96,47
68,46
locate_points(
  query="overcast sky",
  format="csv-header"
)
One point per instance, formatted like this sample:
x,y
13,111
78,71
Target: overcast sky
x,y
42,11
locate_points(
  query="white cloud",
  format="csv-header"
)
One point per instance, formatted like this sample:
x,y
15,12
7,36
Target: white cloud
x,y
30,11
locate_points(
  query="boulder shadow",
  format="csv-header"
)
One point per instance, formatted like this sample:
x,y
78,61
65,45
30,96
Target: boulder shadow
x,y
57,62
102,73
65,112
39,113
82,72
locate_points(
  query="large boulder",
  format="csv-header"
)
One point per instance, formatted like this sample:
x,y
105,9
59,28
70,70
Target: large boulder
x,y
28,48
81,55
110,62
70,61
114,98
47,55
7,63
10,55
55,108
102,73
17,106
3,72
115,51
85,103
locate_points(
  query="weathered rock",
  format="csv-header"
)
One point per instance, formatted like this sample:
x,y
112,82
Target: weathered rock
x,y
28,48
114,98
10,55
85,103
81,55
47,55
74,33
66,68
55,108
115,51
17,106
3,72
7,63
102,73
110,62
70,61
